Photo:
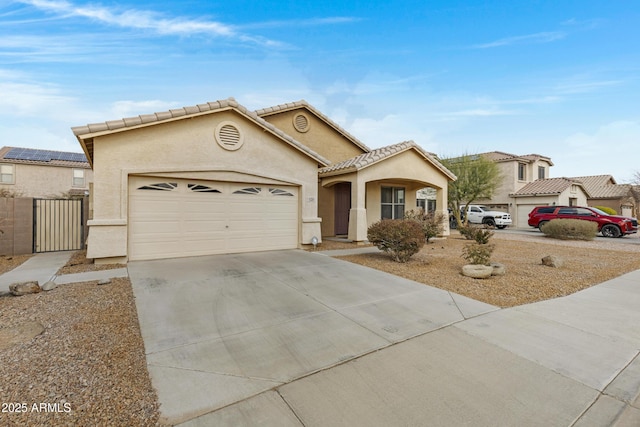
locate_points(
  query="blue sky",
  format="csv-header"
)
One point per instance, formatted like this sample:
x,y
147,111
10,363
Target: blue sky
x,y
556,78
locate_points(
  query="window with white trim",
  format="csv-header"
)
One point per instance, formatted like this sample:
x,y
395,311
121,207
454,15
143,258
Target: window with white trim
x,y
392,202
7,174
78,177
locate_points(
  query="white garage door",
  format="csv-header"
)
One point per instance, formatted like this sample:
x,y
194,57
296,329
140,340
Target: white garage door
x,y
177,218
523,215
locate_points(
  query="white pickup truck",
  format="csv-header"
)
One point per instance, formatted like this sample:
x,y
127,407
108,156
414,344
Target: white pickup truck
x,y
480,214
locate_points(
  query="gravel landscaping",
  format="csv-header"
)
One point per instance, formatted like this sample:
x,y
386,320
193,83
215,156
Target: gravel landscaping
x,y
74,356
77,349
439,264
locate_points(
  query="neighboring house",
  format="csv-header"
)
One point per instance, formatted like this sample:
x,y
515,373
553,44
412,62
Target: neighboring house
x,y
526,184
605,191
218,178
517,172
550,191
28,172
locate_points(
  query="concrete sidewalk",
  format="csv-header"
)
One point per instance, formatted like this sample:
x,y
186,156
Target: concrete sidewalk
x,y
41,267
44,266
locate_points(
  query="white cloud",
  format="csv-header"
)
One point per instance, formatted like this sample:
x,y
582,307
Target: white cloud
x,y
543,37
146,20
28,99
611,149
581,86
480,112
301,22
124,109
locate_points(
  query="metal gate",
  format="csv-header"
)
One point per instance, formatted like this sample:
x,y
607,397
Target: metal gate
x,y
58,225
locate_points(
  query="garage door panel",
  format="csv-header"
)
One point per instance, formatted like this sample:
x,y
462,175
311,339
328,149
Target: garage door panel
x,y
220,217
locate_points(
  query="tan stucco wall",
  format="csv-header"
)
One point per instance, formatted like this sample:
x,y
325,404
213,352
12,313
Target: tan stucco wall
x,y
44,181
320,137
188,148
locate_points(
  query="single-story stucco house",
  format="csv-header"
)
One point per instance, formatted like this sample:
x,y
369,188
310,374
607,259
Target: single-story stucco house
x,y
217,178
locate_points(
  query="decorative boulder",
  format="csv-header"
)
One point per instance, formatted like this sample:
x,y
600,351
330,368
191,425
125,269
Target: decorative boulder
x,y
498,269
20,334
552,261
477,271
48,286
24,288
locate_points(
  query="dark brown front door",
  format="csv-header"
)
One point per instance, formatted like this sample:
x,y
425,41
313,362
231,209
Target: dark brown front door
x,y
342,193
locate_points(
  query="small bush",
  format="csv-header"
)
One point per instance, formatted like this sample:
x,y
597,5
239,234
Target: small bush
x,y
607,210
478,253
432,223
480,234
401,238
570,229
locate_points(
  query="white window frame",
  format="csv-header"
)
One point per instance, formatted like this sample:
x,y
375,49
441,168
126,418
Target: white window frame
x,y
74,178
395,201
7,173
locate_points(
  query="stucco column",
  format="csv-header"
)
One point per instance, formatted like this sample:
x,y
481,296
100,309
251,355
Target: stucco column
x,y
441,206
358,213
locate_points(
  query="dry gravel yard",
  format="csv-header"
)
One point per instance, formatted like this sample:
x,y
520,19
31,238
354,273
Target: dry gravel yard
x,y
527,280
88,365
88,362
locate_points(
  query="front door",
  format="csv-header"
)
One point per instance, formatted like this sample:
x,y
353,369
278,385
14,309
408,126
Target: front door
x,y
342,193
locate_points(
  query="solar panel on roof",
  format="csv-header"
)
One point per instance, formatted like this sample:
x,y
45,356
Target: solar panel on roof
x,y
43,155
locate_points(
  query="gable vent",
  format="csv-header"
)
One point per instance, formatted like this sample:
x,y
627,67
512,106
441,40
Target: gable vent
x,y
229,136
301,122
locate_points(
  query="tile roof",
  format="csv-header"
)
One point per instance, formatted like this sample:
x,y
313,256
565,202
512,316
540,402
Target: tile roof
x,y
304,104
379,154
548,186
85,134
500,156
603,187
52,162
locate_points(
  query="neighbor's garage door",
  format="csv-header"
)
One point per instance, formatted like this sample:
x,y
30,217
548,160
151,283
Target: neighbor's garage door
x,y
523,215
176,218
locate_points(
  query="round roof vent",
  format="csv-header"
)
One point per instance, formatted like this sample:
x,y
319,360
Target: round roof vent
x,y
301,122
228,136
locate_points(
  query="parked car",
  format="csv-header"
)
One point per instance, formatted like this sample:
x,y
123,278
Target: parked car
x,y
608,225
480,214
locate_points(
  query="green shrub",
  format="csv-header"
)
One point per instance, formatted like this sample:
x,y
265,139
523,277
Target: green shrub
x,y
480,234
478,253
607,210
570,229
432,223
400,238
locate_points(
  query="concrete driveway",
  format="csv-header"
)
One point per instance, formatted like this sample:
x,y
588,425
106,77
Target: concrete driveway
x,y
296,338
220,329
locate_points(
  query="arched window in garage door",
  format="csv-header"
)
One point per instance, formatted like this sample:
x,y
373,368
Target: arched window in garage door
x,y
161,186
199,188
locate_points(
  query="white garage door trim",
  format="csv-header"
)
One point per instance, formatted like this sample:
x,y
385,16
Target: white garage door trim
x,y
180,217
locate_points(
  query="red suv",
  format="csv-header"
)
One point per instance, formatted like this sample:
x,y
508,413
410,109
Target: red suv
x,y
608,225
